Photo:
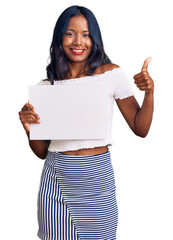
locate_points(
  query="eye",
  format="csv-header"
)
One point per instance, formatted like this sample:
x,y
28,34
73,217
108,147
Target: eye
x,y
86,35
70,34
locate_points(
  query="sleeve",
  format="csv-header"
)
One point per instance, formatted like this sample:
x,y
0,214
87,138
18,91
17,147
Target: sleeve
x,y
120,84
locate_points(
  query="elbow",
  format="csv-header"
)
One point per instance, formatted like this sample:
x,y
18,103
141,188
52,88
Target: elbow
x,y
141,134
42,155
141,131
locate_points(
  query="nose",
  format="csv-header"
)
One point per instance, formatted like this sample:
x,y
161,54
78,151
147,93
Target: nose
x,y
78,39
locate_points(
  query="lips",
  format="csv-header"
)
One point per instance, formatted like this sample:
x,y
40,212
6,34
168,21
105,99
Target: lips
x,y
77,51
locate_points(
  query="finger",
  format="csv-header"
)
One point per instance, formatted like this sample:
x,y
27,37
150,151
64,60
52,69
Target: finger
x,y
143,89
29,113
143,84
146,89
145,65
26,106
26,112
139,80
29,119
140,75
142,80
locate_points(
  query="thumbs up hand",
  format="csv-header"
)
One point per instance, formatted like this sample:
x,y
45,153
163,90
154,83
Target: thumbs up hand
x,y
143,80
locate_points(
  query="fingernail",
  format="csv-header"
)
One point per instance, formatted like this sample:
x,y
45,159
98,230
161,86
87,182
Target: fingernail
x,y
149,59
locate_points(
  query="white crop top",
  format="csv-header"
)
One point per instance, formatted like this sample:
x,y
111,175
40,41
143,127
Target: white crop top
x,y
118,87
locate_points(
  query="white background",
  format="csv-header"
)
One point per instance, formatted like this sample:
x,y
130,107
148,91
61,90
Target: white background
x,y
132,31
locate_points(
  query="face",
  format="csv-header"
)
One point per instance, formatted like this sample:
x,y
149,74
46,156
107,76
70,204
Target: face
x,y
77,43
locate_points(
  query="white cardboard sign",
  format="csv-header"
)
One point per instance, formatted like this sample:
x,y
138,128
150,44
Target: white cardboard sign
x,y
69,112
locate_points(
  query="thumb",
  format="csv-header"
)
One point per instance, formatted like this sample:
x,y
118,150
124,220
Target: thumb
x,y
145,65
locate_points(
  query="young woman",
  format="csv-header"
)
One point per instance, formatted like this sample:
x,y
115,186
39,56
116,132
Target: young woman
x,y
77,195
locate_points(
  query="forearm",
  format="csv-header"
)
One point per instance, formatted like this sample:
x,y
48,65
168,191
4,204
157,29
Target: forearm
x,y
144,116
39,147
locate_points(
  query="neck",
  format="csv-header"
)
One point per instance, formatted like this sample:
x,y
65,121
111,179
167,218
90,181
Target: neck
x,y
76,69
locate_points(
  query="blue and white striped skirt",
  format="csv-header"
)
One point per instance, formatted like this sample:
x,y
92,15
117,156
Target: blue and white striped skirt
x,y
77,198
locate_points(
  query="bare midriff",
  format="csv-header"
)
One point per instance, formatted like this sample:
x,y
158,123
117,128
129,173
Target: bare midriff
x,y
88,151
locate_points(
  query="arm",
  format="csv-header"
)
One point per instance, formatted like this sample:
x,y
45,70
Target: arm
x,y
39,147
139,118
27,116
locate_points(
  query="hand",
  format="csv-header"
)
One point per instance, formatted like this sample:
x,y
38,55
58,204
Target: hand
x,y
143,80
27,116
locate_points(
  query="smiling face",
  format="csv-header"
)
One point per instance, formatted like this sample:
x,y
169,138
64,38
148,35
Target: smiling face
x,y
77,43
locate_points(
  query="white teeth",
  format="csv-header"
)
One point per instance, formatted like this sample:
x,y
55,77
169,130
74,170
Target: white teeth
x,y
76,50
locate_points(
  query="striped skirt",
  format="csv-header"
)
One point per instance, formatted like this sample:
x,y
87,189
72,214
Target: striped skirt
x,y
77,198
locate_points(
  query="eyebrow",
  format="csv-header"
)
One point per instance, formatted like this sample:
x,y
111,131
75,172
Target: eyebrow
x,y
74,31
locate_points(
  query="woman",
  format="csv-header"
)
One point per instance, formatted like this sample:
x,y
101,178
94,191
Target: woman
x,y
77,198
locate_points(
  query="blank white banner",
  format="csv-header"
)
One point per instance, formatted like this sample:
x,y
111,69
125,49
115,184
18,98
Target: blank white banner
x,y
69,112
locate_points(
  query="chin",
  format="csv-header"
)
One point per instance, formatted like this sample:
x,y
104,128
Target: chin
x,y
77,59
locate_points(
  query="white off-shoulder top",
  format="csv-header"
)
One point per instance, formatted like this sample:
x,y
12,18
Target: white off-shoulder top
x,y
117,86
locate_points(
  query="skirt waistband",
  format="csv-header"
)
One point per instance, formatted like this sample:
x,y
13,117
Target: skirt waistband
x,y
80,157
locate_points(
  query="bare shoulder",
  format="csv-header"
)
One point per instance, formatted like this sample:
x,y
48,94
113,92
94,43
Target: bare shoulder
x,y
105,68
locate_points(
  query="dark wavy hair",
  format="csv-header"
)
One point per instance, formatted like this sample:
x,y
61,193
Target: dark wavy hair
x,y
58,67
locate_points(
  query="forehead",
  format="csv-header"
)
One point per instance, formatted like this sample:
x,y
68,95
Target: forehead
x,y
78,22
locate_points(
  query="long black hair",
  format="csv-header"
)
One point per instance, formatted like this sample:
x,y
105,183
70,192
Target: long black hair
x,y
58,66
